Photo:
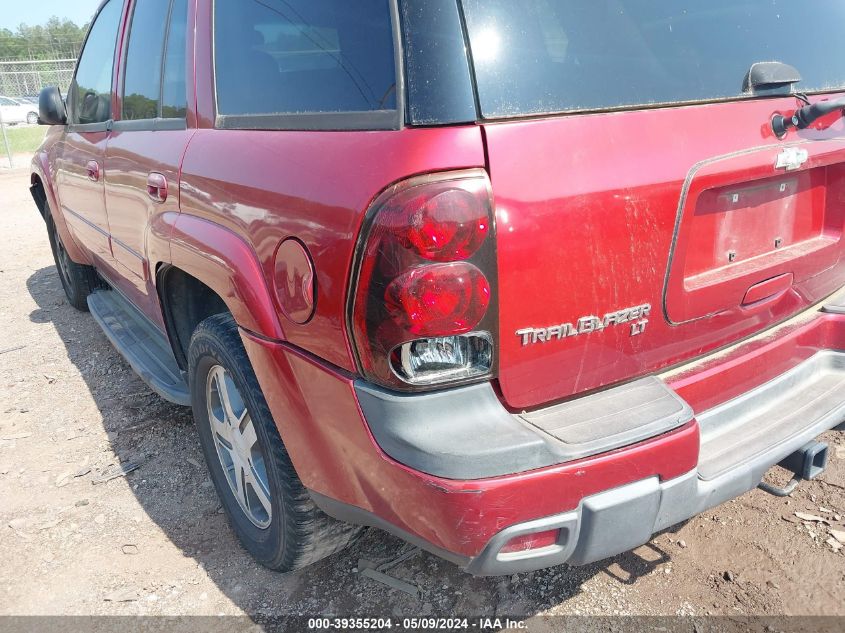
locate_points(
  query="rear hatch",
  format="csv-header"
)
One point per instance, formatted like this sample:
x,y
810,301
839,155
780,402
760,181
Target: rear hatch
x,y
647,213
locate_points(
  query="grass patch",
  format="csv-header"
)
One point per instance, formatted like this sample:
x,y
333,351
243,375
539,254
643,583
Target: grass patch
x,y
23,139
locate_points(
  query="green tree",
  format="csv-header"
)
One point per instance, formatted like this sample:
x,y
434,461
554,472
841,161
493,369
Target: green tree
x,y
57,39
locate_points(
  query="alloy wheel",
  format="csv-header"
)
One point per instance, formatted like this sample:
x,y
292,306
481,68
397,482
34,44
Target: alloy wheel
x,y
237,447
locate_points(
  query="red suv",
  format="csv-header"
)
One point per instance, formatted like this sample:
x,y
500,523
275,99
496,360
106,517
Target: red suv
x,y
522,283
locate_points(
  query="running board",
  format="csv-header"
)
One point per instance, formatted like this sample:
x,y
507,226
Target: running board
x,y
142,344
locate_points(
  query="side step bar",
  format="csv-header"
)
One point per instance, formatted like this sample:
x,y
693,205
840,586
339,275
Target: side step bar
x,y
141,343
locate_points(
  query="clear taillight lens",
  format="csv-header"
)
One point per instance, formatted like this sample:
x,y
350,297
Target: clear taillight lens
x,y
436,360
425,282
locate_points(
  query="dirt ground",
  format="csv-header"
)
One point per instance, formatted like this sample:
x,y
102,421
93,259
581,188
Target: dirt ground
x,y
156,542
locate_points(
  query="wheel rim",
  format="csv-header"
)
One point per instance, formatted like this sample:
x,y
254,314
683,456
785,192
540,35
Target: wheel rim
x,y
237,447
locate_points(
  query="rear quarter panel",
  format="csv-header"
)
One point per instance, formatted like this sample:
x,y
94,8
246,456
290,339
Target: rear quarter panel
x,y
266,186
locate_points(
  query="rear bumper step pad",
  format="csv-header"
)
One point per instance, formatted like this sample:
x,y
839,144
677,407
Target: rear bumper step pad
x,y
466,433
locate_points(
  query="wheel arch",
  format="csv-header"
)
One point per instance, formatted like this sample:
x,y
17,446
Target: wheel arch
x,y
44,196
211,270
185,303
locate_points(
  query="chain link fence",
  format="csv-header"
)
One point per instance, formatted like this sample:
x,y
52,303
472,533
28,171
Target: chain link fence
x,y
26,79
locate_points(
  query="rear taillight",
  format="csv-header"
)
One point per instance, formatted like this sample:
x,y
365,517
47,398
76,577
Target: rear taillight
x,y
424,283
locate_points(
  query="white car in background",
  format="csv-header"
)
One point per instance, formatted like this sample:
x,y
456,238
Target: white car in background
x,y
16,111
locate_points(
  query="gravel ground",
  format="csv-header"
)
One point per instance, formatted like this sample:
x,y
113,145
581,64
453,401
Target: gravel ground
x,y
155,541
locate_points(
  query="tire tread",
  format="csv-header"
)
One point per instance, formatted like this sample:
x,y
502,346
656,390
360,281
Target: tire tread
x,y
83,279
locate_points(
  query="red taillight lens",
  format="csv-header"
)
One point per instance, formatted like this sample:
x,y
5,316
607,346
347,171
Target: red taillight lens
x,y
427,269
439,222
439,300
450,226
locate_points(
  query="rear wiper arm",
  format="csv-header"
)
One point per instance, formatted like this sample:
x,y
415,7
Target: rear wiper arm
x,y
806,116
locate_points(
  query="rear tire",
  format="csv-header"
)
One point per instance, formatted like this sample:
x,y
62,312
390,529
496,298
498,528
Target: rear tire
x,y
78,280
267,505
32,118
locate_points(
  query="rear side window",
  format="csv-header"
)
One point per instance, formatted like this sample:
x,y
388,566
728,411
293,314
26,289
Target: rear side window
x,y
303,56
542,56
90,93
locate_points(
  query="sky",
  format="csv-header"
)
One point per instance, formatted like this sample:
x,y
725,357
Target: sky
x,y
33,12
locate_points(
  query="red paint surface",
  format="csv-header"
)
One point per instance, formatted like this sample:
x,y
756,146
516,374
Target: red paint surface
x,y
294,281
750,364
42,169
130,158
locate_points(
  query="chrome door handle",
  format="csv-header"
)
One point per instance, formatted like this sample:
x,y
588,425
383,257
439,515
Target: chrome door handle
x,y
93,171
157,187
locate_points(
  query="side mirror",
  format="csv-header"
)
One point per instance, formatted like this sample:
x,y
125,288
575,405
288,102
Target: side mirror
x,y
51,108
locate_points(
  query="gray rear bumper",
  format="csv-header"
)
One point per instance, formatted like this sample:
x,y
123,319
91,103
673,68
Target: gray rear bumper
x,y
467,433
741,440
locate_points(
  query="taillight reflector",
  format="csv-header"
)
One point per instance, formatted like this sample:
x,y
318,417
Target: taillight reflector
x,y
527,542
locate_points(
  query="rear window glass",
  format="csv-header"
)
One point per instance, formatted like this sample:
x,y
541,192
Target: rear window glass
x,y
539,56
304,56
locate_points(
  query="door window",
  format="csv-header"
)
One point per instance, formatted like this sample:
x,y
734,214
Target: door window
x,y
142,78
90,93
174,104
154,77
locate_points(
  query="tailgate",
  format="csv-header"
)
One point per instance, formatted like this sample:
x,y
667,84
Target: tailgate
x,y
632,241
648,213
